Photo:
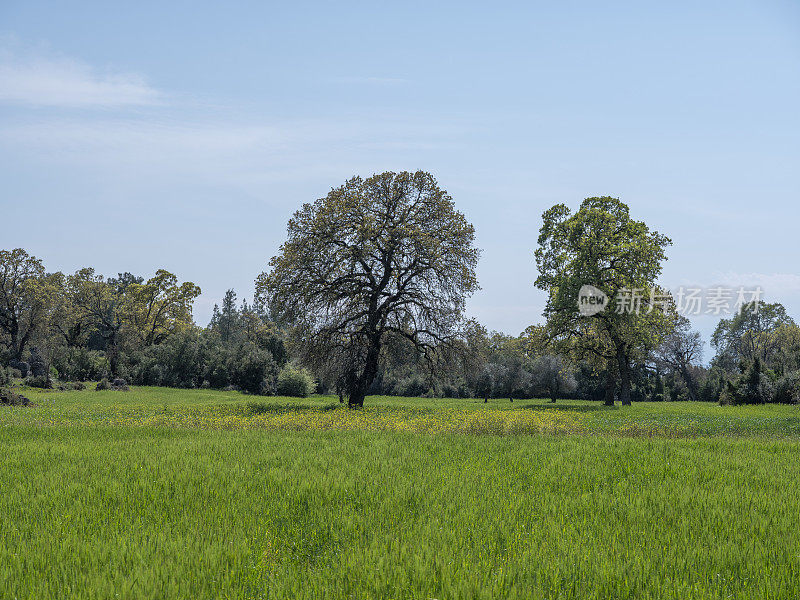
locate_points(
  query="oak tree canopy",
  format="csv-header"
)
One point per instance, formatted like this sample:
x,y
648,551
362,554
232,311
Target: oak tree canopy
x,y
385,256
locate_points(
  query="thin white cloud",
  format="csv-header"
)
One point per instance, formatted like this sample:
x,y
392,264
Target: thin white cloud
x,y
44,81
175,137
214,150
189,142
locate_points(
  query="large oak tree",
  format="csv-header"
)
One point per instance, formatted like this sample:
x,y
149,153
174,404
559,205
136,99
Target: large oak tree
x,y
600,245
377,257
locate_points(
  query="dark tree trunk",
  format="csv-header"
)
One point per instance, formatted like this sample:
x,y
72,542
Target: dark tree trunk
x,y
113,362
624,378
356,399
17,347
112,349
611,386
360,384
111,352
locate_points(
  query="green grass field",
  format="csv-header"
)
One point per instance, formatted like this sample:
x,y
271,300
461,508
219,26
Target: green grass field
x,y
159,493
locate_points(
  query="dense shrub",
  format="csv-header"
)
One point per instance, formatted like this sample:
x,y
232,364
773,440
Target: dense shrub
x,y
766,389
412,386
295,382
750,390
102,385
72,386
590,383
80,364
449,390
711,387
217,368
199,359
728,395
751,387
10,398
119,385
382,385
677,392
550,376
523,387
253,370
787,389
39,381
178,362
484,385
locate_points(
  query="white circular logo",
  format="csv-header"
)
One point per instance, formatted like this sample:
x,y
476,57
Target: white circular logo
x,y
591,300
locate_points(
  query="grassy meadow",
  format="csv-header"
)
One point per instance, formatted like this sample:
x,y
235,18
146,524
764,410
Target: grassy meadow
x,y
162,493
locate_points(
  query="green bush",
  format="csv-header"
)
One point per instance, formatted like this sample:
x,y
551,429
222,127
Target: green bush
x,y
753,386
217,369
412,387
787,389
199,359
177,362
9,398
80,364
41,381
711,387
72,386
484,384
750,388
728,395
253,370
295,382
449,391
103,384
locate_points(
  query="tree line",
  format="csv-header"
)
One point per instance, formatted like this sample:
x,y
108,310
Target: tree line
x,y
368,296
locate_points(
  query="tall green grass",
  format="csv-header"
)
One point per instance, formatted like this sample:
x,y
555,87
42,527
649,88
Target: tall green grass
x,y
163,407
120,511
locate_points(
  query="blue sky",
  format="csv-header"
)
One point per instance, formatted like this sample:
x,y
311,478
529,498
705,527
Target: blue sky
x,y
182,135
